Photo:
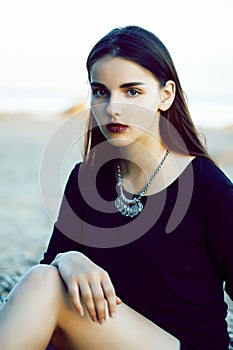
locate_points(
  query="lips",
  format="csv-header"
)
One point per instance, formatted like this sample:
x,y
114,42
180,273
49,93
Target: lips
x,y
116,127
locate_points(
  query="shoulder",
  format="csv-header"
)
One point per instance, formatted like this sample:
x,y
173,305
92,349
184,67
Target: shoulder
x,y
72,182
211,183
74,173
209,174
76,169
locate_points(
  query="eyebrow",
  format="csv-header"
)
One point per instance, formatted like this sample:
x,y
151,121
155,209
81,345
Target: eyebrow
x,y
133,83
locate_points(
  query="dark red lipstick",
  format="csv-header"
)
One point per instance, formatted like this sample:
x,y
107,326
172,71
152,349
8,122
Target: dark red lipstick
x,y
116,127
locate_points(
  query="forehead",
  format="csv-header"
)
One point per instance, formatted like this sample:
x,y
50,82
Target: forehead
x,y
118,69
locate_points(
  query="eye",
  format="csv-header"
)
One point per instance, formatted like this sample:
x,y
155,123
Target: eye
x,y
99,92
133,92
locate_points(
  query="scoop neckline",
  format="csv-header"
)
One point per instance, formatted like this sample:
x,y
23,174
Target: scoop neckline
x,y
170,185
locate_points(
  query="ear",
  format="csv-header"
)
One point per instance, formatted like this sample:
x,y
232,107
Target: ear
x,y
168,93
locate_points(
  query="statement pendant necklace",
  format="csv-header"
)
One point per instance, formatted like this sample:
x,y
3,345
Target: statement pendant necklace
x,y
132,207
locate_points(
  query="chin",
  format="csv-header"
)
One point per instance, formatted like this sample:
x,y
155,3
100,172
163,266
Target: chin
x,y
119,142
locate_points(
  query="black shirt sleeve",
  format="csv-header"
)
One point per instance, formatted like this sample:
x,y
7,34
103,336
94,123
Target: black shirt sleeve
x,y
218,206
68,225
221,235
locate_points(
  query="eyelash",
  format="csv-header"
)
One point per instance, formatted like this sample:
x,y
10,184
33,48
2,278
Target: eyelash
x,y
96,92
134,90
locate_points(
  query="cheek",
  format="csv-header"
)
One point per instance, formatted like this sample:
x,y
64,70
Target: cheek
x,y
141,117
99,112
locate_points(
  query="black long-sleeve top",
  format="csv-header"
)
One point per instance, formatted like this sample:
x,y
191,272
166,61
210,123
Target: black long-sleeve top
x,y
171,262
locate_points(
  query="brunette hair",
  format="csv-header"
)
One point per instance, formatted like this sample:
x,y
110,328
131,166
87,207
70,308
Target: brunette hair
x,y
144,48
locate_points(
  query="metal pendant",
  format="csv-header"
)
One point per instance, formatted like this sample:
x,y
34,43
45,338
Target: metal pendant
x,y
128,210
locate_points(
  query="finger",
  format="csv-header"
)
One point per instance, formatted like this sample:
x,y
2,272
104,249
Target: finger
x,y
87,296
73,290
118,300
98,296
110,295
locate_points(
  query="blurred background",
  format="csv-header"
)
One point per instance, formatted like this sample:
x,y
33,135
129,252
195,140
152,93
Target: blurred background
x,y
43,84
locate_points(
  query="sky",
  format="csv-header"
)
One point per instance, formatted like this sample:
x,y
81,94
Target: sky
x,y
44,45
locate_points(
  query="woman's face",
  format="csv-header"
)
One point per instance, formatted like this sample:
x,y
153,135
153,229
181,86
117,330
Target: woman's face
x,y
125,100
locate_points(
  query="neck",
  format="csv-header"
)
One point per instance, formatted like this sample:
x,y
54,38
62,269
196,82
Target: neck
x,y
139,163
139,158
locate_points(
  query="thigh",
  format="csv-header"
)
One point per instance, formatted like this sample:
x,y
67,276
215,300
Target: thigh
x,y
128,330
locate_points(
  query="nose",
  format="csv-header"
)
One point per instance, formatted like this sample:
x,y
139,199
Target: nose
x,y
114,107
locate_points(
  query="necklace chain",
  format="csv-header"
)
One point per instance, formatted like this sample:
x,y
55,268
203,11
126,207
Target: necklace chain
x,y
132,207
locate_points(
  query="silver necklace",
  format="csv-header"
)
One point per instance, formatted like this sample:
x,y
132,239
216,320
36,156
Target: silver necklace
x,y
132,207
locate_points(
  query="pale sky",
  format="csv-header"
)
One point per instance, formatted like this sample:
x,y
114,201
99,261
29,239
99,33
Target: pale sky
x,y
44,45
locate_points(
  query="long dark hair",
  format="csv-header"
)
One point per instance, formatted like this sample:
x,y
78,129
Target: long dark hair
x,y
144,48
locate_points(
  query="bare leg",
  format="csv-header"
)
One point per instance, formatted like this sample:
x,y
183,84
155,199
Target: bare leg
x,y
28,317
39,309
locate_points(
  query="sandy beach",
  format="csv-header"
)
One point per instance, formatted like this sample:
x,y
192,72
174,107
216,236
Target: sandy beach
x,y
25,221
25,226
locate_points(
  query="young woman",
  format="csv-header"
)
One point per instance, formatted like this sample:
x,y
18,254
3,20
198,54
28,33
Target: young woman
x,y
142,248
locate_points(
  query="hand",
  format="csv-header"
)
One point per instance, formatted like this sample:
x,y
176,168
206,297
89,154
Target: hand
x,y
86,279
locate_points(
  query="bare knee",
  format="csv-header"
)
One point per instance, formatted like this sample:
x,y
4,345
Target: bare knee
x,y
46,282
42,280
31,309
41,275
